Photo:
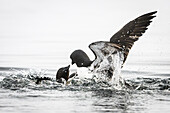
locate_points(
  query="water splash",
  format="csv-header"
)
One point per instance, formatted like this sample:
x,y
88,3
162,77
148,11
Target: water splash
x,y
117,80
26,80
109,69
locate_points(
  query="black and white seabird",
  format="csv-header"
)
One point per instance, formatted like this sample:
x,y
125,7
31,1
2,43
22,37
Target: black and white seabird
x,y
113,53
62,73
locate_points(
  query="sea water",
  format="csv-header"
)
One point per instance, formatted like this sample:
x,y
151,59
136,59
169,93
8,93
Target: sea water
x,y
19,92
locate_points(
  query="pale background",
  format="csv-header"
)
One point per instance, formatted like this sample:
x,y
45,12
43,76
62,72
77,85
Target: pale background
x,y
43,33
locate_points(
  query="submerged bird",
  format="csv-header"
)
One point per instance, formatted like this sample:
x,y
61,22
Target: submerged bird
x,y
39,79
112,54
61,73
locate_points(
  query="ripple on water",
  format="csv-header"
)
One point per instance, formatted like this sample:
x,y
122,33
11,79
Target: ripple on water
x,y
20,81
97,96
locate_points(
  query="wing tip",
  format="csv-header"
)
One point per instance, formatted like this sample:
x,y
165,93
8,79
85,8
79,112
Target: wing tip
x,y
151,14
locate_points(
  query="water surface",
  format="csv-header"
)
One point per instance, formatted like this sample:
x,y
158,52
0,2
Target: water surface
x,y
19,93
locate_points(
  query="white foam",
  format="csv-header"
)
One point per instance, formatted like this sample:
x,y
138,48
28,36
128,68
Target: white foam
x,y
113,63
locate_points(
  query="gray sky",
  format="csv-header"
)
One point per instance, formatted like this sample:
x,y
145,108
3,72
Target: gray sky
x,y
58,27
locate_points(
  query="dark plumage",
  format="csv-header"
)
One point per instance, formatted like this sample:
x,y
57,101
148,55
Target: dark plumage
x,y
39,79
111,55
80,58
123,40
63,73
130,33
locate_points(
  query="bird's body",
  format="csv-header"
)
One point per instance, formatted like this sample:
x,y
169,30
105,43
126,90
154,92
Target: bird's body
x,y
111,55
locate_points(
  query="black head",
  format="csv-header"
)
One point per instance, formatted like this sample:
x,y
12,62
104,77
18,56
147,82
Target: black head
x,y
80,58
63,73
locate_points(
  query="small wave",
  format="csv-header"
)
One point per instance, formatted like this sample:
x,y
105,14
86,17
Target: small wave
x,y
27,81
151,83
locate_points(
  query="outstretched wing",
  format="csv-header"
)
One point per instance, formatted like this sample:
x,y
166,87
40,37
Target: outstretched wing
x,y
104,51
130,33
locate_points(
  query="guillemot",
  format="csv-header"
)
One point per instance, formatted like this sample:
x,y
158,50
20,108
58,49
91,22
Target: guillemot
x,y
108,52
63,72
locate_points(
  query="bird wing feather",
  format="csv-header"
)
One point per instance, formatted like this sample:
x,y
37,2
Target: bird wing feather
x,y
130,33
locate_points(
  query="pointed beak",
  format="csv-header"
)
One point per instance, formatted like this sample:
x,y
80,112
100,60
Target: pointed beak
x,y
72,63
67,68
